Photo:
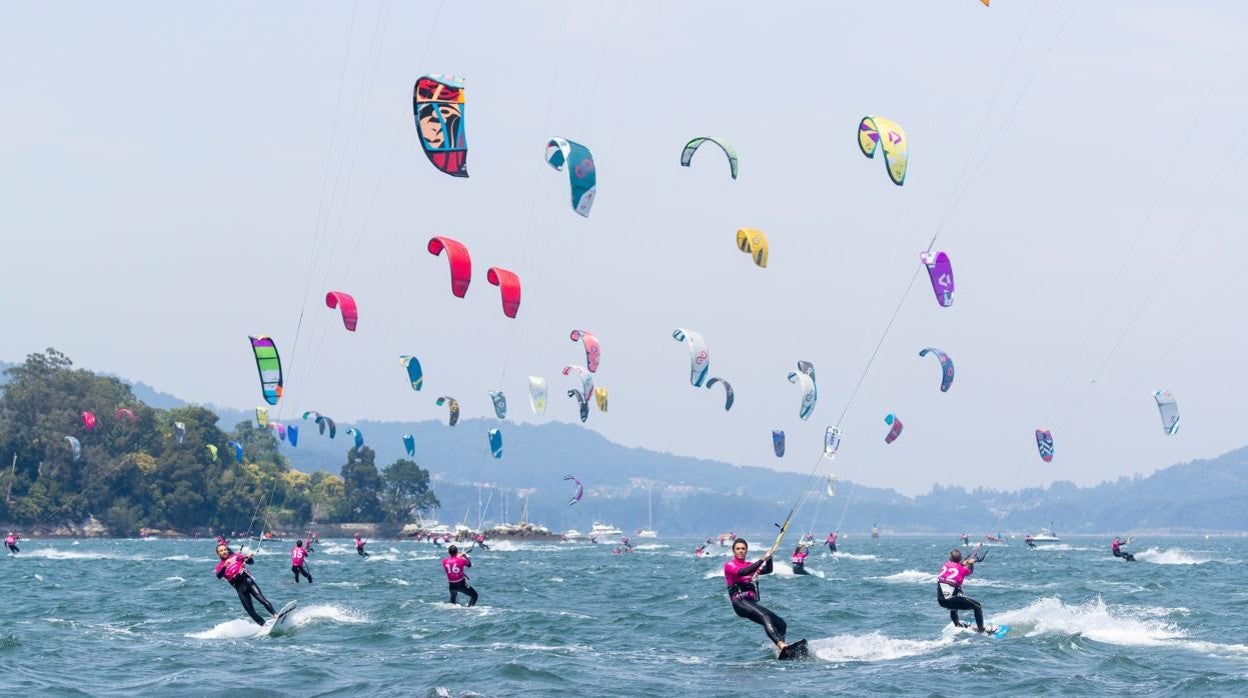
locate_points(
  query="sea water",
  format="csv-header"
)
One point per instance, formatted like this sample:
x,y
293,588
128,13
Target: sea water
x,y
122,617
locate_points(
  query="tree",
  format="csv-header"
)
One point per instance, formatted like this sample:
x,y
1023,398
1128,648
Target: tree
x,y
361,486
406,490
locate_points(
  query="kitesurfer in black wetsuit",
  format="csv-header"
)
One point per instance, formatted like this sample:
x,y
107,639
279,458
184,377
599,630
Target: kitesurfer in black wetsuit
x,y
232,568
1116,546
743,592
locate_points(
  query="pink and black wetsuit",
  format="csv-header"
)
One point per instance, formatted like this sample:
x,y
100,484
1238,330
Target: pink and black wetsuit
x,y
831,542
10,542
949,593
799,561
297,556
359,547
456,567
744,594
233,569
1119,552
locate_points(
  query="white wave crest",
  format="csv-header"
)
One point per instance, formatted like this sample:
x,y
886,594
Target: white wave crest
x,y
907,577
872,647
1170,557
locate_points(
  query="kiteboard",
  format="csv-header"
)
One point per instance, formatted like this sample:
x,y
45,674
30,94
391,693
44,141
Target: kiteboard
x,y
794,650
281,624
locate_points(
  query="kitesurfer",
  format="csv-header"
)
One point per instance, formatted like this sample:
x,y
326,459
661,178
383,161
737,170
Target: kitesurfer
x,y
831,542
359,546
628,545
479,542
699,551
949,590
233,569
744,594
297,555
1031,542
1119,552
456,577
799,560
966,540
10,542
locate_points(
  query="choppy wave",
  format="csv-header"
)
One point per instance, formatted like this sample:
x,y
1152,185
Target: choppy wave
x,y
907,577
1171,557
872,647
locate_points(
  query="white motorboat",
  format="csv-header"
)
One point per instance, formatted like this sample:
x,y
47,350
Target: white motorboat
x,y
602,530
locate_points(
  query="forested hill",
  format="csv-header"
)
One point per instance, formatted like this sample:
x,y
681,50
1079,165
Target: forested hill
x,y
690,495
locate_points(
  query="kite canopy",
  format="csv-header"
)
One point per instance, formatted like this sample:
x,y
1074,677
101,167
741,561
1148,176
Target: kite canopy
x,y
587,379
414,374
346,304
728,394
537,394
76,446
946,367
438,103
409,444
262,417
88,421
459,259
359,437
699,358
686,155
895,431
1044,441
1169,410
810,393
562,153
831,442
124,412
600,397
238,450
876,131
593,354
580,489
496,442
777,442
580,399
500,403
269,366
212,451
940,272
754,243
179,431
508,286
452,405
292,434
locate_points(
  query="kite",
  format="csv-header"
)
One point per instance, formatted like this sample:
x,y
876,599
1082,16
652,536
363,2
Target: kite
x,y
777,442
74,444
580,398
831,442
754,243
580,490
359,437
125,412
582,175
409,444
496,442
600,397
346,304
699,359
509,286
280,429
238,451
892,421
876,130
323,423
940,271
269,365
537,394
500,403
453,406
459,259
728,394
179,431
262,417
830,487
686,155
88,421
413,371
1044,441
587,379
593,354
1169,409
810,393
292,434
807,368
946,367
212,450
438,103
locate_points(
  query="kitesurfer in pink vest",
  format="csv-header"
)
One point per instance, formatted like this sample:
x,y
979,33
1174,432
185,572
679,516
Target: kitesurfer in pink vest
x,y
1116,546
831,541
744,594
456,566
233,569
359,546
10,542
799,560
949,590
297,556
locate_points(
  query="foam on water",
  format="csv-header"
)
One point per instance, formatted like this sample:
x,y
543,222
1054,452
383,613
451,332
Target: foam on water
x,y
907,577
511,546
55,554
872,647
851,556
1170,557
230,630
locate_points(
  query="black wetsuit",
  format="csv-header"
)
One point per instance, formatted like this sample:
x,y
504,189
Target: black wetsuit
x,y
247,589
462,587
298,570
745,597
359,548
955,601
1118,552
12,547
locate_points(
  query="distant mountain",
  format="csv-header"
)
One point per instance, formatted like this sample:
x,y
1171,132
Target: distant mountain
x,y
704,497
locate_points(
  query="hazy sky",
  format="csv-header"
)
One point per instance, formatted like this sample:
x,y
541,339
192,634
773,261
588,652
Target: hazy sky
x,y
176,176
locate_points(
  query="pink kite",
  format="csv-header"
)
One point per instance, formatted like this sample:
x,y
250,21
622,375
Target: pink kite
x,y
509,286
892,421
344,301
461,262
88,421
592,352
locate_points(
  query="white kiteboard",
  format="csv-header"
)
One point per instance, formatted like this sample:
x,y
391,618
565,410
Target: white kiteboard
x,y
281,624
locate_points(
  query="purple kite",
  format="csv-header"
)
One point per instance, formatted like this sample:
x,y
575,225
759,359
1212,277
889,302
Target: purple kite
x,y
1044,441
897,426
940,270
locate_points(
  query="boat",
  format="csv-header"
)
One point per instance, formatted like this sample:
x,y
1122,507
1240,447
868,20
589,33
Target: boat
x,y
1045,537
875,531
572,534
601,530
648,531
